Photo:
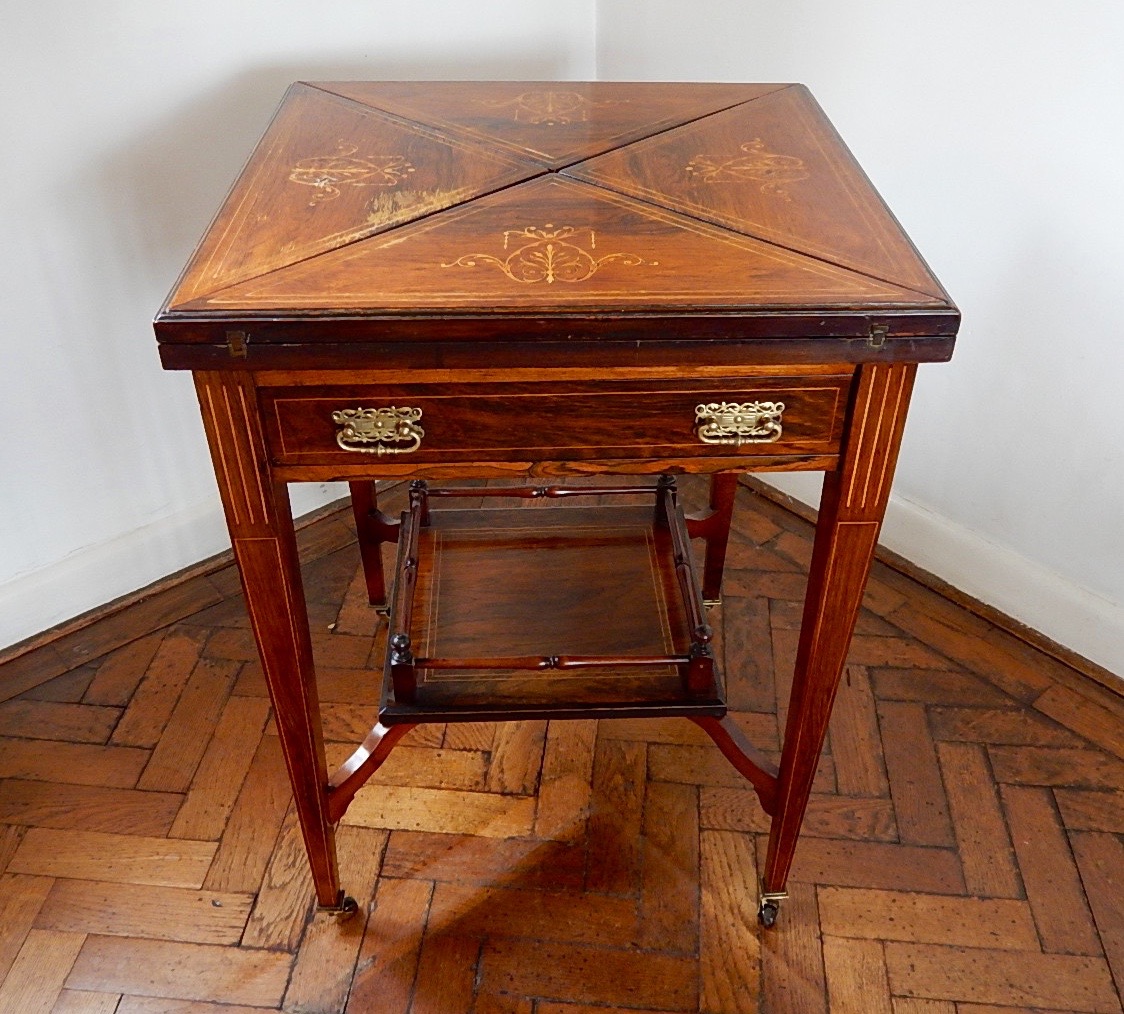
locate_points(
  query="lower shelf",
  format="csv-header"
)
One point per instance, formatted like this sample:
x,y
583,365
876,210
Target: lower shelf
x,y
560,612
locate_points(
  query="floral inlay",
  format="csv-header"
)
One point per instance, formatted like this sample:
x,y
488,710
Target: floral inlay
x,y
547,107
757,164
547,255
326,174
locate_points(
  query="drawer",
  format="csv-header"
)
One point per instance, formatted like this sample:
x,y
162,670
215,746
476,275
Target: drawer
x,y
554,422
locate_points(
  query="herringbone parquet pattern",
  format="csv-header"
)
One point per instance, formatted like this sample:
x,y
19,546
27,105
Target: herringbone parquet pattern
x,y
961,854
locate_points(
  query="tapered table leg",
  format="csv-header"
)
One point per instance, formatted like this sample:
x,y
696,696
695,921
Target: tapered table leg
x,y
373,529
723,488
851,511
714,528
261,530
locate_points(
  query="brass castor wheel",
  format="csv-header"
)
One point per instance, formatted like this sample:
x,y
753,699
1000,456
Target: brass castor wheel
x,y
769,908
344,908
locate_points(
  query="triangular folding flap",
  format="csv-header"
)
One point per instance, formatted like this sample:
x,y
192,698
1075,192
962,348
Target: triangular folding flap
x,y
556,245
327,172
553,122
775,169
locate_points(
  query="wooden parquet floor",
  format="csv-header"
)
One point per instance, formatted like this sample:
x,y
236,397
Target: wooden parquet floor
x,y
962,853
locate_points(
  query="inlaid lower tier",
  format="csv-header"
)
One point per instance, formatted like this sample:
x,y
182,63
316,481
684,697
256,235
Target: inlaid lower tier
x,y
554,612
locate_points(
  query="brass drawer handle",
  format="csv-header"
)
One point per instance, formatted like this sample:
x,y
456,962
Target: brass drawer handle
x,y
731,423
380,431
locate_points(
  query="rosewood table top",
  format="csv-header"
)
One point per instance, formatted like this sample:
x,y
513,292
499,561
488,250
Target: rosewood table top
x,y
553,212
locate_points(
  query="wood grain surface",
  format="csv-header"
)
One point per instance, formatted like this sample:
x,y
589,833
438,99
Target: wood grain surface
x,y
580,867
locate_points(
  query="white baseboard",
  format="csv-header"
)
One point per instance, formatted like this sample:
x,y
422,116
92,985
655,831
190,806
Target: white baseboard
x,y
90,577
1044,600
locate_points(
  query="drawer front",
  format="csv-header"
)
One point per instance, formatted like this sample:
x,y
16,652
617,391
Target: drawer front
x,y
554,422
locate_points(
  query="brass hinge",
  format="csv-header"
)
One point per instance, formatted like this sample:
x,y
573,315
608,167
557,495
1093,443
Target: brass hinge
x,y
877,336
236,342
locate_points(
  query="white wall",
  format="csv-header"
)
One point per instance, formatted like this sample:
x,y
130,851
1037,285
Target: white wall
x,y
123,124
993,132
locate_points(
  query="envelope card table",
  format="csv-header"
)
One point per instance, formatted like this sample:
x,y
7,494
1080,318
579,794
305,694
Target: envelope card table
x,y
450,281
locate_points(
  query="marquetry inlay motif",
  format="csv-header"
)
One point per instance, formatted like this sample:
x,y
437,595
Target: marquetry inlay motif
x,y
756,165
547,108
235,438
880,405
547,254
326,174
